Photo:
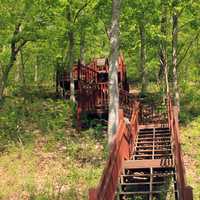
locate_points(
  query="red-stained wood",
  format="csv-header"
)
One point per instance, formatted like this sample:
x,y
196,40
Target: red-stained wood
x,y
123,144
87,77
92,94
185,191
92,194
120,151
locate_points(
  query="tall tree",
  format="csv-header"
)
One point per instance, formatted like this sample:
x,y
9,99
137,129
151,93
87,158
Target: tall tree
x,y
22,75
142,31
19,26
70,50
15,46
72,15
113,117
163,74
175,19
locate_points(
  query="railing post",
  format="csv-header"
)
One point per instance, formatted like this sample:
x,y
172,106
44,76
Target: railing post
x,y
188,193
79,110
92,194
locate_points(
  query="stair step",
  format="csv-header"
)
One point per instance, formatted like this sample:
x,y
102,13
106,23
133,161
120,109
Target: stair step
x,y
145,192
151,152
148,175
156,135
162,129
153,163
153,156
161,150
145,183
146,133
146,129
153,139
151,146
154,130
155,142
151,131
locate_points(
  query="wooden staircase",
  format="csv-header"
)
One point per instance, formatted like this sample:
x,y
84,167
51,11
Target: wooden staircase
x,y
145,161
153,143
150,173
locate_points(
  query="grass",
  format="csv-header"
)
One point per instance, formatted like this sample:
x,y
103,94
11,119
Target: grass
x,y
191,148
190,135
42,156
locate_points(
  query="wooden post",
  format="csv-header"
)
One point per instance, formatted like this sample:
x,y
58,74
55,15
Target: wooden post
x,y
92,194
188,193
79,110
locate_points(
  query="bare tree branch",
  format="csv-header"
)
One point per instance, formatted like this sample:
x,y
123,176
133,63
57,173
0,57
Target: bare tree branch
x,y
1,68
188,48
79,11
183,8
20,46
106,29
182,26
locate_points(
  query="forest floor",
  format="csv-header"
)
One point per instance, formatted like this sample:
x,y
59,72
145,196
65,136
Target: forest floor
x,y
190,136
43,157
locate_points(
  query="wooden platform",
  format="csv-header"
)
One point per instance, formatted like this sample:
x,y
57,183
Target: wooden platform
x,y
133,164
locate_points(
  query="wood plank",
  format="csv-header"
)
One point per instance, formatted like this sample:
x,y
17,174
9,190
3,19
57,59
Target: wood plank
x,y
153,126
159,163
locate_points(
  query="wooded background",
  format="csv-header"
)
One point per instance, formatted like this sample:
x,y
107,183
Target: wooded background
x,y
36,36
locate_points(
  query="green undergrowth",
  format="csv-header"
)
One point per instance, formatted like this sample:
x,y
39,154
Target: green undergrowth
x,y
190,106
42,156
190,136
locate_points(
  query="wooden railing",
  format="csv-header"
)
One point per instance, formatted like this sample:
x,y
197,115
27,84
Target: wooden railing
x,y
127,102
93,95
87,74
185,192
121,148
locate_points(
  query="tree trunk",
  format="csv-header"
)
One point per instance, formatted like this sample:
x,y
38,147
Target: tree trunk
x,y
17,74
163,30
14,52
70,64
4,79
70,53
22,69
113,118
166,73
36,71
174,58
163,73
143,55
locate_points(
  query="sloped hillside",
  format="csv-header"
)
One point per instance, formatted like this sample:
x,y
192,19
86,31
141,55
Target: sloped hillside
x,y
42,155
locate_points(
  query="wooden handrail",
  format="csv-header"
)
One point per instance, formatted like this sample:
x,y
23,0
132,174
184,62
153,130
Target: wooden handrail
x,y
185,192
123,142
